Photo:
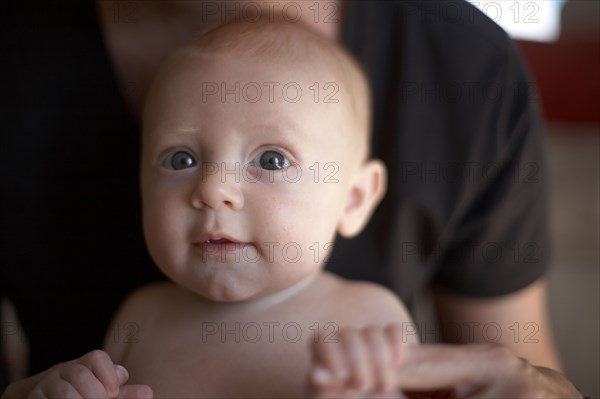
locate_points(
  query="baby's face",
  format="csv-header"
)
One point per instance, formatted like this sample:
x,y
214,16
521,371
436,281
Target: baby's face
x,y
244,177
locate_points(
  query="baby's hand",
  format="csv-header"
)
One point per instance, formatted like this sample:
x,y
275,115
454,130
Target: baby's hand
x,y
91,376
362,363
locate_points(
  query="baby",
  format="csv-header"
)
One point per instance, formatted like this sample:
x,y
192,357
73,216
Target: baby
x,y
255,153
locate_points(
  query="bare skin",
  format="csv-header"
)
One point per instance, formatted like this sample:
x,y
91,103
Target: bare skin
x,y
180,357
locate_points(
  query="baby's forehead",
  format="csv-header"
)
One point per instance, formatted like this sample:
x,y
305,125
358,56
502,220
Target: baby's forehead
x,y
286,51
231,65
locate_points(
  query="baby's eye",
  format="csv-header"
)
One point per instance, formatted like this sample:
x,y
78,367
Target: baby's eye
x,y
180,160
271,160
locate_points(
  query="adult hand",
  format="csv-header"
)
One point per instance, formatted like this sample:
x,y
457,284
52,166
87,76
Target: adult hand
x,y
93,375
378,363
479,371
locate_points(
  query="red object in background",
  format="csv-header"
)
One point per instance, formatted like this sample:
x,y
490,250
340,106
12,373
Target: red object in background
x,y
567,74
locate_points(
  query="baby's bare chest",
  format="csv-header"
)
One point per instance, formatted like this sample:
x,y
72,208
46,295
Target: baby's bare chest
x,y
262,358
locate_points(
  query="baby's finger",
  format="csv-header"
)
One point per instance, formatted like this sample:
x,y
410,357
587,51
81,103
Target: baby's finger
x,y
331,362
398,343
84,381
103,368
37,394
323,385
381,359
390,395
59,389
359,360
135,392
122,374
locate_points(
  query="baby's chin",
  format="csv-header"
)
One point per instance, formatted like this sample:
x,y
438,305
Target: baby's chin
x,y
211,294
227,282
221,289
226,294
248,292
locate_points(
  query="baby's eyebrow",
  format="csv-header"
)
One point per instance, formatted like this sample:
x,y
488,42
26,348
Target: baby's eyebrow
x,y
165,134
280,126
185,131
181,131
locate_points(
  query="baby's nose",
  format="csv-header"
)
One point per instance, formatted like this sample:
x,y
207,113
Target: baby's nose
x,y
218,186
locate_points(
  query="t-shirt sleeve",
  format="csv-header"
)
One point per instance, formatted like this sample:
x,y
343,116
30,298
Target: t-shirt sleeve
x,y
457,123
498,241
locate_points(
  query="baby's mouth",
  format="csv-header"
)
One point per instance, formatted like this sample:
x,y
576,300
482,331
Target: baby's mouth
x,y
219,241
224,250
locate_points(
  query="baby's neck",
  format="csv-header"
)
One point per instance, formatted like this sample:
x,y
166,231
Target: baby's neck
x,y
277,298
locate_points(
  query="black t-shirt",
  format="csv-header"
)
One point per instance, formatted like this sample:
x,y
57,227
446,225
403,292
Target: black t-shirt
x,y
454,119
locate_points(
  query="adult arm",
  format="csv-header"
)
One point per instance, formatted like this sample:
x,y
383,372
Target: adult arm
x,y
495,251
522,362
518,321
490,284
477,369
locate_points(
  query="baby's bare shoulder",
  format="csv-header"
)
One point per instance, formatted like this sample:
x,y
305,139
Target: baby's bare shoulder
x,y
146,300
134,316
368,303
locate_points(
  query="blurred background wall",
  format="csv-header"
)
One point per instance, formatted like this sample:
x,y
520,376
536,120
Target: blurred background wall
x,y
567,74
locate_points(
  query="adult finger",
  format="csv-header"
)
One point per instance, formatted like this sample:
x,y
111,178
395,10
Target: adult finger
x,y
464,368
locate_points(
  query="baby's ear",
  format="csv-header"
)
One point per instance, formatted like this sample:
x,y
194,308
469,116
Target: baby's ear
x,y
368,188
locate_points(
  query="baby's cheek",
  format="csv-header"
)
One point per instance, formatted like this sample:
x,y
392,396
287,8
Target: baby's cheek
x,y
160,227
308,219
